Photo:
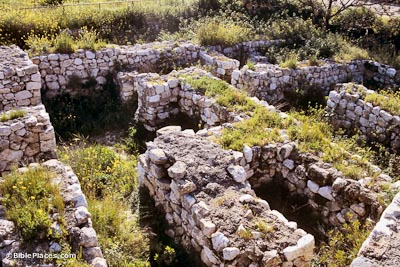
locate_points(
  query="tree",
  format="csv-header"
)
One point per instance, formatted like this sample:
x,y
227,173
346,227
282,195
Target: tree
x,y
332,8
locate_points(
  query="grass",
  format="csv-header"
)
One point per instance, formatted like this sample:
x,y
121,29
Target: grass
x,y
225,94
253,131
109,180
11,115
312,133
290,61
389,101
343,245
385,99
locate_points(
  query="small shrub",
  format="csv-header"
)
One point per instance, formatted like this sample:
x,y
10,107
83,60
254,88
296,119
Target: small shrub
x,y
30,199
251,65
11,115
313,61
64,43
89,39
168,257
264,227
290,61
101,170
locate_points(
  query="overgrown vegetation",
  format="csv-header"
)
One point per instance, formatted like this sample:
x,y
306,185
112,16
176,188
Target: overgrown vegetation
x,y
30,198
343,244
11,115
109,180
64,42
387,100
225,94
312,132
34,203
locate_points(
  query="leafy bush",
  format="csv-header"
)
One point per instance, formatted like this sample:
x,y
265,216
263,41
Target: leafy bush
x,y
30,198
89,39
355,22
222,32
11,115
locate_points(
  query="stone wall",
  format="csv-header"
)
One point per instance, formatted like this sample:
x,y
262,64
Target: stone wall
x,y
221,66
19,79
381,75
211,208
57,69
27,139
269,82
334,197
81,235
163,97
246,50
348,110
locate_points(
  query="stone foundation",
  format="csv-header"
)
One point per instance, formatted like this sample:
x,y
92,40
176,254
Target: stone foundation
x,y
163,97
211,208
270,82
348,110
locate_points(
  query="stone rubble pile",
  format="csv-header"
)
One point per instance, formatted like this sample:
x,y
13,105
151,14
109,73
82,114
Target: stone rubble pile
x,y
211,208
348,110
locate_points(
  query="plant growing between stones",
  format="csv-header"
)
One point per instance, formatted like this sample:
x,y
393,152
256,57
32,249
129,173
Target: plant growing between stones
x,y
11,115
